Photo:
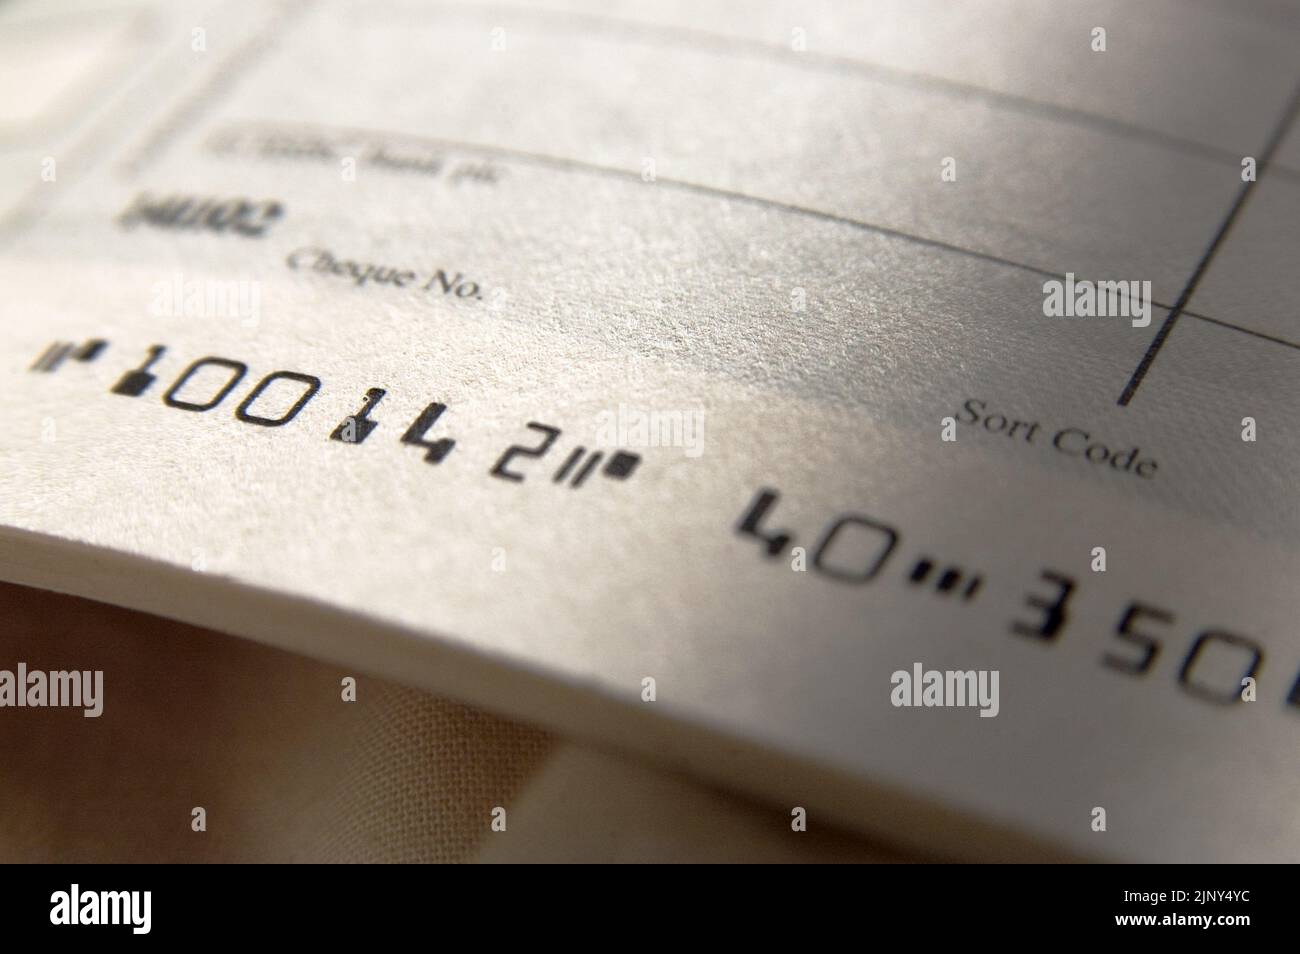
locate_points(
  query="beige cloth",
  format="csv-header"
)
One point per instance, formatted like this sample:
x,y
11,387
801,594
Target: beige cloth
x,y
288,771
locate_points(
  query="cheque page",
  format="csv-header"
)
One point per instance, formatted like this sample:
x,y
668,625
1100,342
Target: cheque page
x,y
875,408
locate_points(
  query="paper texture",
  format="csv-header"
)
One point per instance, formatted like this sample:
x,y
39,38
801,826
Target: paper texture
x,y
526,354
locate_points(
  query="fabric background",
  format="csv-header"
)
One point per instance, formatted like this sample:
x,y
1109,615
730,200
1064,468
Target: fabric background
x,y
288,771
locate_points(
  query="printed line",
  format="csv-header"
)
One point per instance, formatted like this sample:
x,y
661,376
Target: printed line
x,y
1245,331
215,85
1274,142
682,37
565,164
